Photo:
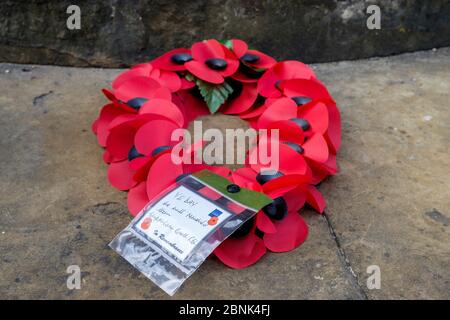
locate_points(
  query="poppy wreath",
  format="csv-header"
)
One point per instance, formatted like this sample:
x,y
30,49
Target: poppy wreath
x,y
150,100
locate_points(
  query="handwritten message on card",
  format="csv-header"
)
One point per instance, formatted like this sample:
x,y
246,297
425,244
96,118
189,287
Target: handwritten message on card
x,y
180,220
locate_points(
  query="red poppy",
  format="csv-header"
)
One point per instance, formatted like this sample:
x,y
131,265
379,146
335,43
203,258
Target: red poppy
x,y
268,84
149,102
212,62
280,109
173,60
312,91
166,79
132,148
294,123
241,100
289,160
191,106
278,235
131,91
242,251
253,62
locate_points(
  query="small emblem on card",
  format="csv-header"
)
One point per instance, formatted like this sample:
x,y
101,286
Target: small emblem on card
x,y
146,223
214,217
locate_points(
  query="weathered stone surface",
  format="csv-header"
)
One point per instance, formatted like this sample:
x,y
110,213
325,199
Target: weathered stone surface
x,y
57,208
118,33
389,206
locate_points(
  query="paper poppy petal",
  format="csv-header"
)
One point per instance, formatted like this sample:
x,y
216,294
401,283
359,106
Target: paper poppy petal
x,y
239,253
333,134
108,113
287,131
201,70
321,170
165,62
243,176
138,162
120,140
120,175
267,84
244,101
252,113
247,173
289,161
208,49
311,88
282,109
316,148
94,126
242,77
170,80
161,93
282,71
162,174
317,116
331,164
279,186
123,118
264,223
291,232
109,95
264,61
107,157
143,70
191,106
154,134
315,199
291,69
239,47
295,199
185,84
191,168
142,172
136,87
221,171
137,198
164,108
232,66
155,73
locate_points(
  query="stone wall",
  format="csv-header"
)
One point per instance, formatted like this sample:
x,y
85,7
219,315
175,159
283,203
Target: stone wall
x,y
117,33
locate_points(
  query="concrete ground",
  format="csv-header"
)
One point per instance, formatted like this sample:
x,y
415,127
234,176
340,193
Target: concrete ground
x,y
389,206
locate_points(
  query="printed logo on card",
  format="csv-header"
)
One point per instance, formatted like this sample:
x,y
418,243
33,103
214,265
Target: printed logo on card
x,y
214,217
146,223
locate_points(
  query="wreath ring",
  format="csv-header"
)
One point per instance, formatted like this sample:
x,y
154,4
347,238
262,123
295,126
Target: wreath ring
x,y
150,100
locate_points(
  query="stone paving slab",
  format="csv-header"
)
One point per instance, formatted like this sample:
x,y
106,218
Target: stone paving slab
x,y
389,206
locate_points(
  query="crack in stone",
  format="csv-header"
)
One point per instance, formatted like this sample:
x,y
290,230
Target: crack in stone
x,y
38,100
344,259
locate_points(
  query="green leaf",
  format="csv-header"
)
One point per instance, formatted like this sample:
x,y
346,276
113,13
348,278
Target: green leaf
x,y
189,77
214,94
226,43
